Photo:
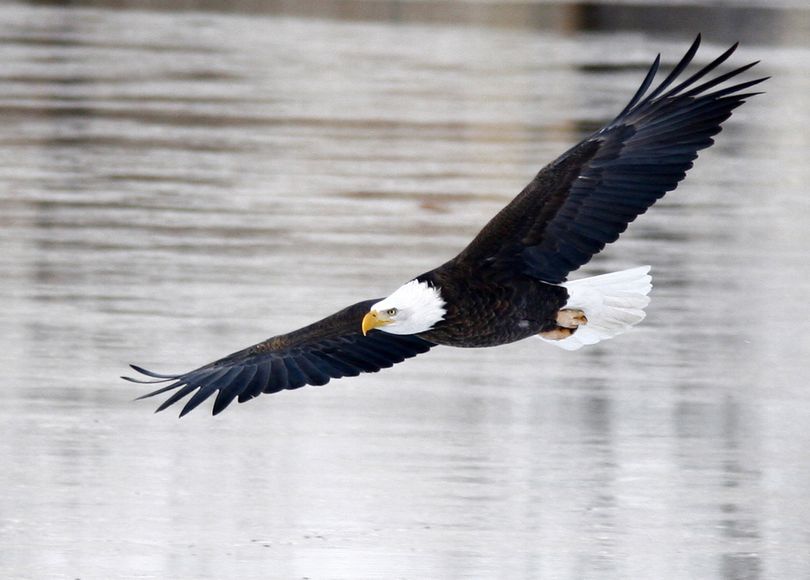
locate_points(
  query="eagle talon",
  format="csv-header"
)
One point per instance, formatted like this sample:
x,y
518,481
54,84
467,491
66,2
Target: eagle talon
x,y
559,333
571,318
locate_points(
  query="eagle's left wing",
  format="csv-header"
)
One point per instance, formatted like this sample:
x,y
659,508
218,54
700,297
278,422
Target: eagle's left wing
x,y
329,349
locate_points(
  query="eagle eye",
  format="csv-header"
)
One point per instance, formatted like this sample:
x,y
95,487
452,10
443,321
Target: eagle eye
x,y
391,312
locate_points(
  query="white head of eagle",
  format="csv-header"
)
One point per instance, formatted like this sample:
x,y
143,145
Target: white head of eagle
x,y
413,308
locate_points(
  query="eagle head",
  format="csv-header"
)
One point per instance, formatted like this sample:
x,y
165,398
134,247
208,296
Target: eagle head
x,y
413,308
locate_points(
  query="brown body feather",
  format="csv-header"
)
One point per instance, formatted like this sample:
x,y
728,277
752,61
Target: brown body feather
x,y
483,310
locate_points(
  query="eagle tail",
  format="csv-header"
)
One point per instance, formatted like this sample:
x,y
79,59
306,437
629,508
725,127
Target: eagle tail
x,y
612,303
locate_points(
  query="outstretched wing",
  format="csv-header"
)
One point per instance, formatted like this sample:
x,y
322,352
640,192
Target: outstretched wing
x,y
329,349
585,199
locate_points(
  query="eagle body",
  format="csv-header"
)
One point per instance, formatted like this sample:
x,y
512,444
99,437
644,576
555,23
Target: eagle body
x,y
483,310
491,299
511,282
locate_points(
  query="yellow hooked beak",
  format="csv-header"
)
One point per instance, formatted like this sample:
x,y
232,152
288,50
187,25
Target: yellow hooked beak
x,y
374,320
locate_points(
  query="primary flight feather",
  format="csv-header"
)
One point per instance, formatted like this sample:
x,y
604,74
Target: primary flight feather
x,y
510,282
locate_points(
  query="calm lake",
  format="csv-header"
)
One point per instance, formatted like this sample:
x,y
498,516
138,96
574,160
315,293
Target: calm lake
x,y
179,180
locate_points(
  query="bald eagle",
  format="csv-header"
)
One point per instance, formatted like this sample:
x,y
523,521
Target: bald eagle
x,y
510,282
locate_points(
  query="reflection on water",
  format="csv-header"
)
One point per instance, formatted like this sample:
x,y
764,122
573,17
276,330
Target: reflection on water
x,y
176,185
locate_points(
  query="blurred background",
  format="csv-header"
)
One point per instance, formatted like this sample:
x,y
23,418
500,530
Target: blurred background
x,y
180,179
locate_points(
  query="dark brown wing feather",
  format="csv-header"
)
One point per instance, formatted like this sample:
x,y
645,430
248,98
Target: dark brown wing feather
x,y
329,349
585,199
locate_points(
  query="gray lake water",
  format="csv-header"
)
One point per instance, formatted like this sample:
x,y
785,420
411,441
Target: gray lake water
x,y
176,184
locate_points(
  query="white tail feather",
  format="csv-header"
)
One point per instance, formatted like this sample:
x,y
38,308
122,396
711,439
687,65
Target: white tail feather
x,y
611,302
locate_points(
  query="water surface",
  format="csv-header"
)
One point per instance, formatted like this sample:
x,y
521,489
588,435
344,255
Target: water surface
x,y
178,184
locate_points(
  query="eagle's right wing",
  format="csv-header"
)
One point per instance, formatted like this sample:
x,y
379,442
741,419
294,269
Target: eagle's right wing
x,y
329,349
585,199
